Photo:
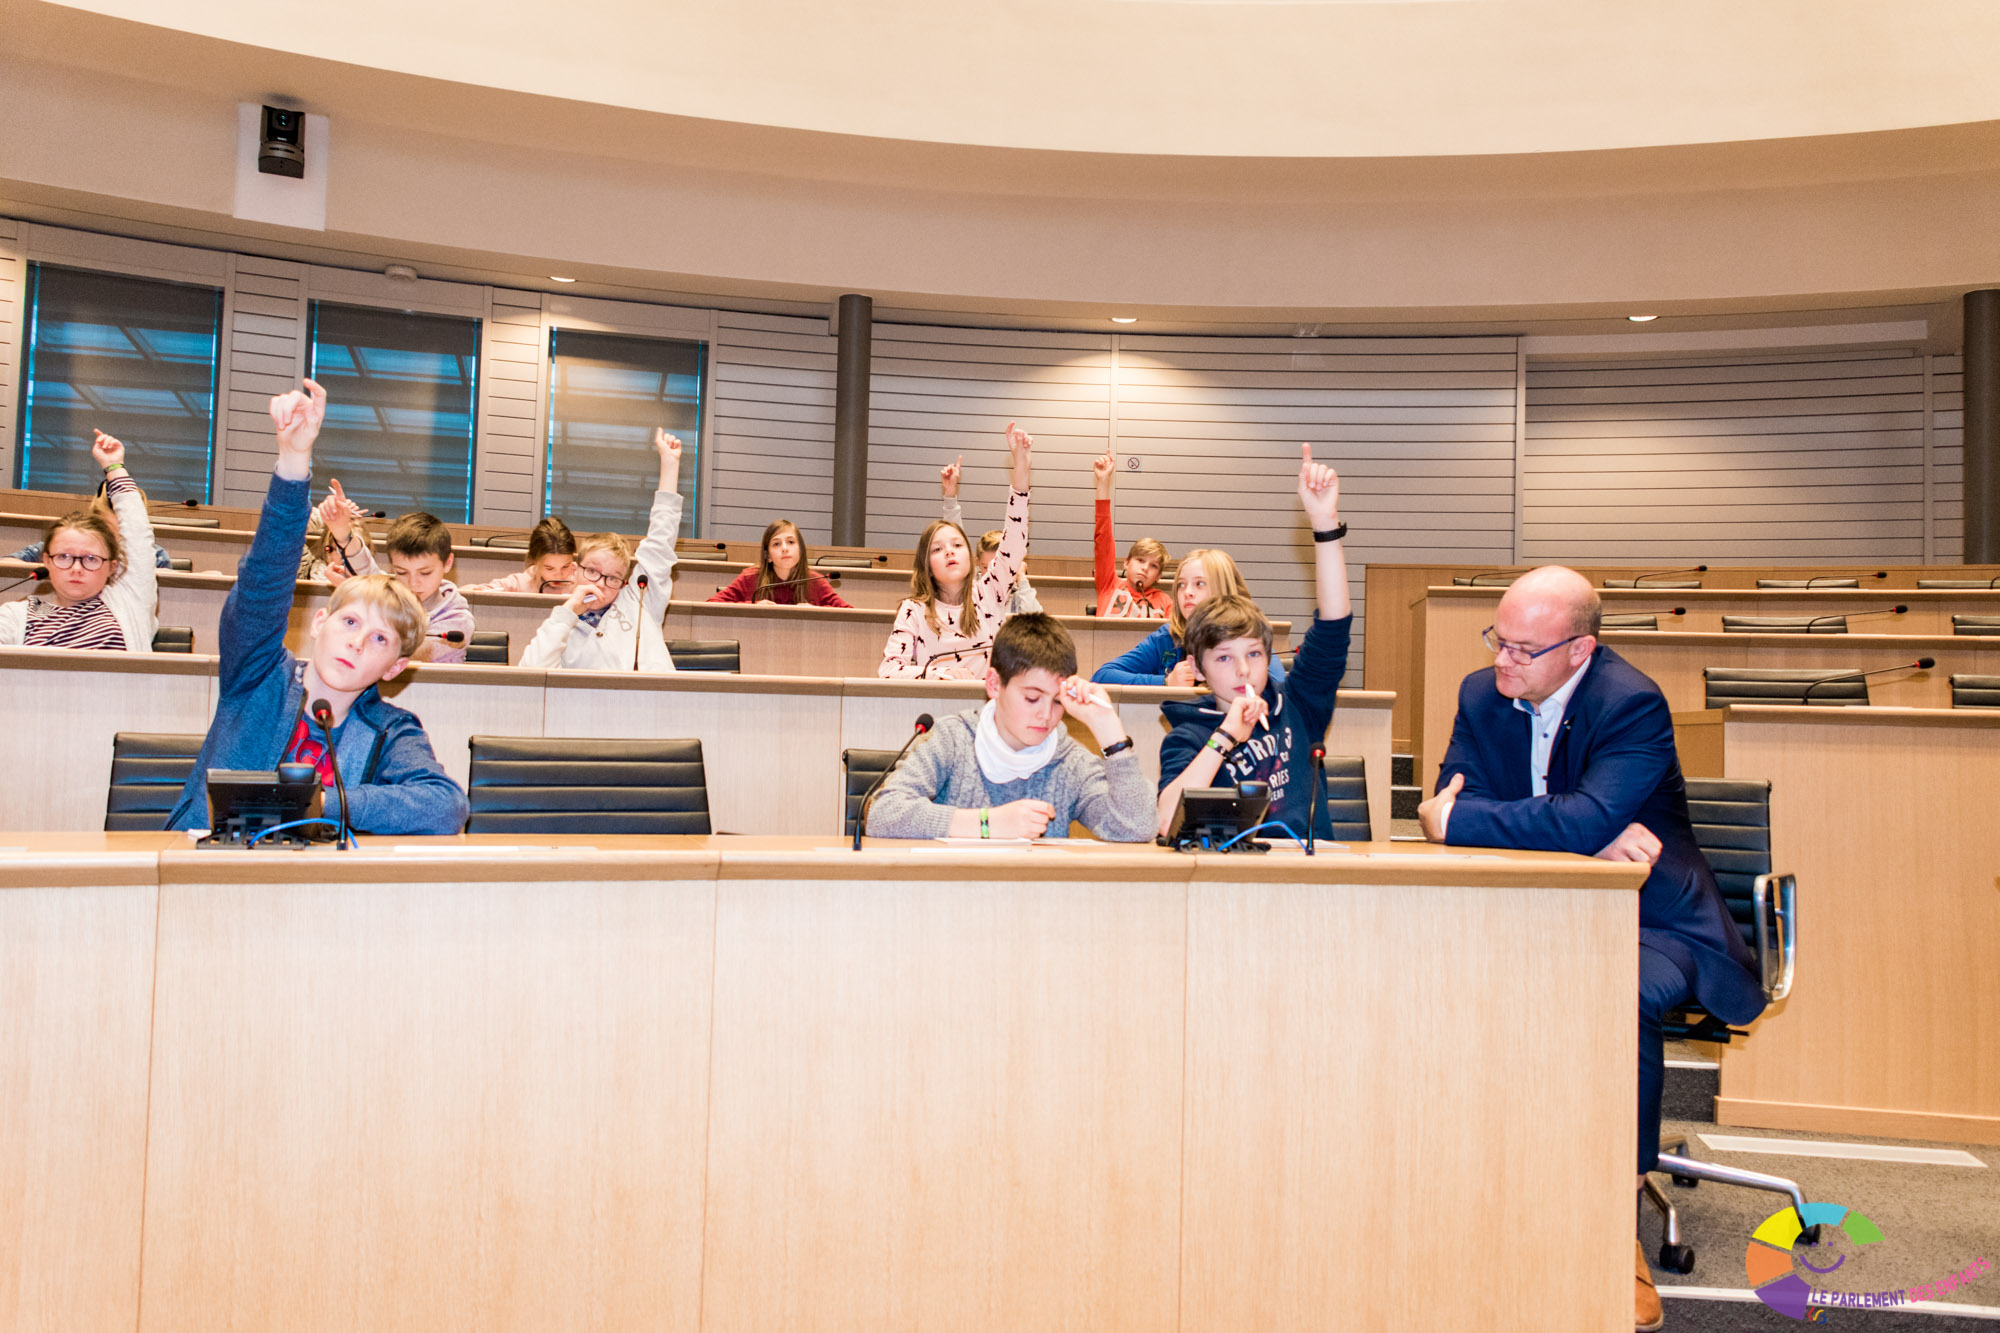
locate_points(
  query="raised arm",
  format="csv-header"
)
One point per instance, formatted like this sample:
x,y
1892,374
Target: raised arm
x,y
139,585
1104,548
254,618
656,554
1319,496
996,585
948,475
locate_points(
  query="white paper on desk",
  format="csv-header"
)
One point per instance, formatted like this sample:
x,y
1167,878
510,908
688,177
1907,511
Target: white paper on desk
x,y
1427,858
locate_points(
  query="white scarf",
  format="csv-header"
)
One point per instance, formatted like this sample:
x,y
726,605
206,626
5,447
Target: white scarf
x,y
999,761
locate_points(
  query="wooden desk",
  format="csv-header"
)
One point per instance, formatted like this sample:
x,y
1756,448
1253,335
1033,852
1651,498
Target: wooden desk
x,y
1886,817
771,744
709,1084
1454,617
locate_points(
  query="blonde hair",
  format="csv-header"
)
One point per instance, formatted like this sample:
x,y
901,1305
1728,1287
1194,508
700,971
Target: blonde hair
x,y
605,541
924,589
1148,549
96,521
1224,580
395,603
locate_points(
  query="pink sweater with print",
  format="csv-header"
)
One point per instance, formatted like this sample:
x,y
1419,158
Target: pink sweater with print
x,y
917,651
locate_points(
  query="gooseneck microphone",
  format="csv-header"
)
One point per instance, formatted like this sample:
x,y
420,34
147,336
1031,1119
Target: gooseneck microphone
x,y
1896,610
924,724
322,713
639,622
1921,664
1318,787
1638,580
35,575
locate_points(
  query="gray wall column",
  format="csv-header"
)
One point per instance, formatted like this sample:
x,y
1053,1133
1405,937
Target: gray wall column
x,y
850,421
1982,427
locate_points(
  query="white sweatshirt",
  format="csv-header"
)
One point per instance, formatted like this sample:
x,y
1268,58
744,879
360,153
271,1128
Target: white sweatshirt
x,y
134,598
629,624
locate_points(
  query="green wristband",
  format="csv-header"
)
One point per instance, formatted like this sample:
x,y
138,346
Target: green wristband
x,y
985,827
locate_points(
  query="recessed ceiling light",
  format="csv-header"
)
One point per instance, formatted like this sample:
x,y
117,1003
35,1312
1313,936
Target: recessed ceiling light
x,y
1124,319
556,277
1642,319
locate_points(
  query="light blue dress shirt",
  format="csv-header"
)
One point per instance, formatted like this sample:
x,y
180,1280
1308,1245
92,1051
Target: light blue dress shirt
x,y
1547,724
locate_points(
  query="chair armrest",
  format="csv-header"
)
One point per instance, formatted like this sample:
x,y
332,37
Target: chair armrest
x,y
1774,902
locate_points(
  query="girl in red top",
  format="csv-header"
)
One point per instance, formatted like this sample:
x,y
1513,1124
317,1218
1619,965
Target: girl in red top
x,y
785,575
1136,594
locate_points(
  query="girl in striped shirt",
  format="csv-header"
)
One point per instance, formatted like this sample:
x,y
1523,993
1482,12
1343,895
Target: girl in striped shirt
x,y
103,592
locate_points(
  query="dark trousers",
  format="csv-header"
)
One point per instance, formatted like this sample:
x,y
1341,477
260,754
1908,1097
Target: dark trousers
x,y
1663,987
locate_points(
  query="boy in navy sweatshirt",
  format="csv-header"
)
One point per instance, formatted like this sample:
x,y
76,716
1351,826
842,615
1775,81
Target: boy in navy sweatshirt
x,y
367,634
1252,729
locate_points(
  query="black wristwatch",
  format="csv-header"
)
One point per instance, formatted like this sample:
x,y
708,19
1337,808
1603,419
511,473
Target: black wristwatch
x,y
1332,535
1110,750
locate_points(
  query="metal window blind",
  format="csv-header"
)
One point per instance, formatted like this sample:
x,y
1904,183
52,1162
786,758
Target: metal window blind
x,y
607,393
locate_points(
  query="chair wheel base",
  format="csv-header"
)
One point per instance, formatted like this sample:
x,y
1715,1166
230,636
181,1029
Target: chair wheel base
x,y
1677,1259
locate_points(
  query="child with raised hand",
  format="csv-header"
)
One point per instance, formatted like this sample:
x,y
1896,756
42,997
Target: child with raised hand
x,y
103,584
550,567
1024,599
1133,593
367,633
1159,658
1011,769
419,551
1254,728
784,575
330,559
610,622
945,627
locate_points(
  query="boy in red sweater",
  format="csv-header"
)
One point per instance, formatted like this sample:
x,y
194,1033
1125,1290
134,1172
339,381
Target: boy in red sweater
x,y
1136,594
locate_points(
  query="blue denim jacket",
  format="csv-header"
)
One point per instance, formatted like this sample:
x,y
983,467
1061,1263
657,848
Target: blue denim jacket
x,y
394,782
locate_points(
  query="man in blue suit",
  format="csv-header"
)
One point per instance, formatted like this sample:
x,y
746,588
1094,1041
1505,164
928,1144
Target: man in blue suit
x,y
1564,746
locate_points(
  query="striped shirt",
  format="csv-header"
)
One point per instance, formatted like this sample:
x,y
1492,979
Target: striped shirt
x,y
83,625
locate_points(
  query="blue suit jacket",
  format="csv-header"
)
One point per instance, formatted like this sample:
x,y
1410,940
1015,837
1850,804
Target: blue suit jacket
x,y
1613,764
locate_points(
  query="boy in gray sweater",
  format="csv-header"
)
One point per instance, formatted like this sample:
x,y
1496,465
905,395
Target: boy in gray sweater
x,y
1011,769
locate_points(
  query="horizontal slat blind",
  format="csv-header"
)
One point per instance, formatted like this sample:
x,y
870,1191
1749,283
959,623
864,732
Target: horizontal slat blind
x,y
1948,459
773,426
13,298
265,351
513,357
1774,459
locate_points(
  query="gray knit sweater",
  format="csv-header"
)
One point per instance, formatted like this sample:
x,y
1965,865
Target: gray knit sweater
x,y
1113,798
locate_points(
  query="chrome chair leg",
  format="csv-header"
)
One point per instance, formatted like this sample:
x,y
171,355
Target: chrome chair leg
x,y
1678,1258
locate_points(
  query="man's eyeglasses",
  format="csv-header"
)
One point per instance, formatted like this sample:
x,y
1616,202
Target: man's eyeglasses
x,y
64,560
612,582
1517,654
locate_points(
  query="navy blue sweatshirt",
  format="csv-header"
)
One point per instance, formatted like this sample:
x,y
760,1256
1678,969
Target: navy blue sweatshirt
x,y
1301,711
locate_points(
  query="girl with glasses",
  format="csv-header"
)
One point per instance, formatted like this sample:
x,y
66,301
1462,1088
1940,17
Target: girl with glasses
x,y
96,598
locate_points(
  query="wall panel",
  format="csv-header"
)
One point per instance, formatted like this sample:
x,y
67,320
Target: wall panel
x,y
264,353
13,340
772,432
1947,458
513,410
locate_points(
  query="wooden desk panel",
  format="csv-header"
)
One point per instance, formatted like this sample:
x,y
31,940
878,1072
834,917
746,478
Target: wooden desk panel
x,y
1885,815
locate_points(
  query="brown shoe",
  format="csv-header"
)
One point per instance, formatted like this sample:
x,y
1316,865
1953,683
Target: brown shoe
x,y
1646,1312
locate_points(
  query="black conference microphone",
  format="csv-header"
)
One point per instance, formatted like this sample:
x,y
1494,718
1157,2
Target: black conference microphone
x,y
1639,579
322,713
35,575
1921,664
1896,610
1880,574
924,724
1318,786
1474,582
638,634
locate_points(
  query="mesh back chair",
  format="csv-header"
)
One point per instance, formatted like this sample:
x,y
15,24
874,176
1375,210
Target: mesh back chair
x,y
1732,825
173,639
1784,624
859,769
1631,620
1794,584
505,541
1975,691
148,770
1975,624
1781,685
706,654
1959,585
181,564
488,648
1347,798
1663,584
533,784
1483,580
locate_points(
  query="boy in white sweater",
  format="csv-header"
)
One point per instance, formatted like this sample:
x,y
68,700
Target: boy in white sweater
x,y
612,621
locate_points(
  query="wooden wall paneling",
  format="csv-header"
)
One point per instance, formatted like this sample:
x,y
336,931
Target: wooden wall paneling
x,y
76,986
948,1106
1318,1132
534,1162
13,341
773,431
513,395
1948,457
265,348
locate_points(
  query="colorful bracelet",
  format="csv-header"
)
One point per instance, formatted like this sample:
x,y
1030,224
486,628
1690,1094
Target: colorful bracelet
x,y
1216,739
1110,750
985,828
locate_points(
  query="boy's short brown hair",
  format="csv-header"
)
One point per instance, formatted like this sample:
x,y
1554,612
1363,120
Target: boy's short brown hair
x,y
1031,641
419,534
393,601
1220,619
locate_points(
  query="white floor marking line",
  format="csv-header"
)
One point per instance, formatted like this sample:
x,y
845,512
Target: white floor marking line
x,y
1858,1152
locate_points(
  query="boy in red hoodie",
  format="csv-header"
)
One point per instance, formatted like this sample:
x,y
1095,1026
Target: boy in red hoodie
x,y
1136,594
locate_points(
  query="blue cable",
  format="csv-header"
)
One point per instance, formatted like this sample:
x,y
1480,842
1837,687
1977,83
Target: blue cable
x,y
296,823
1256,828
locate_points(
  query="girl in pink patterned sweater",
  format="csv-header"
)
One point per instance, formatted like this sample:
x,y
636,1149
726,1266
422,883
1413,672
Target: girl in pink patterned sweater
x,y
945,627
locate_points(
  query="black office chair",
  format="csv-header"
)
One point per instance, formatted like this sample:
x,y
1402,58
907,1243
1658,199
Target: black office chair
x,y
180,564
489,647
1483,580
1975,691
1347,798
1959,585
1630,620
504,541
1732,825
706,654
148,770
1663,584
535,784
1784,624
859,769
1975,625
1825,582
173,639
1781,685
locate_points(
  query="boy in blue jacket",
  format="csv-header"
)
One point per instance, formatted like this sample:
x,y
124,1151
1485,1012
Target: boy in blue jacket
x,y
366,634
1252,728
